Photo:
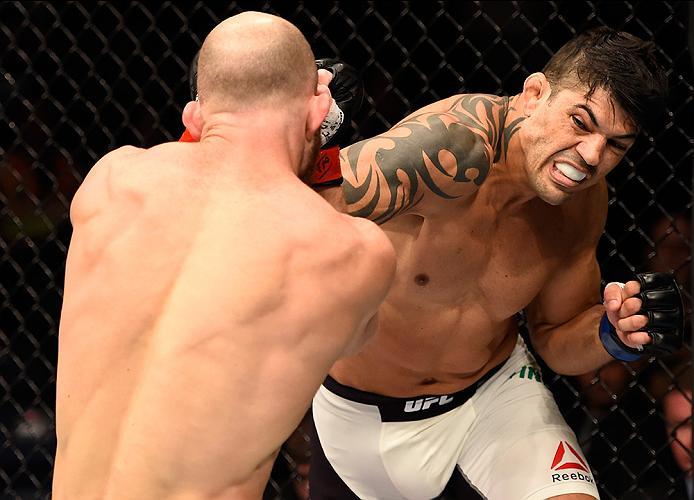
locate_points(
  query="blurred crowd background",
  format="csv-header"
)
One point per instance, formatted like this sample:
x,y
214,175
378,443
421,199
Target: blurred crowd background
x,y
78,79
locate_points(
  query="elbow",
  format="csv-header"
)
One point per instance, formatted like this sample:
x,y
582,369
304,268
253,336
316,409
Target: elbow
x,y
565,369
559,364
543,346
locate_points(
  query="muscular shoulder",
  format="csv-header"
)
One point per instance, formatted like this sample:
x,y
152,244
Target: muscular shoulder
x,y
466,108
97,188
372,244
461,123
442,152
370,262
353,237
354,251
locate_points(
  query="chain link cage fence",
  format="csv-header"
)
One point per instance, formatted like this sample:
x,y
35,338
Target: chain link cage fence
x,y
81,78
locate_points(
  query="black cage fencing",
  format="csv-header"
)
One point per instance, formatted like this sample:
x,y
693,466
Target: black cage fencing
x,y
78,79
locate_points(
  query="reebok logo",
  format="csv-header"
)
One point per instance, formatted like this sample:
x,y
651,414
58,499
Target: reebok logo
x,y
426,403
567,458
560,464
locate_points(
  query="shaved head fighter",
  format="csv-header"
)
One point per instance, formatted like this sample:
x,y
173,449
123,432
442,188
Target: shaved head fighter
x,y
200,280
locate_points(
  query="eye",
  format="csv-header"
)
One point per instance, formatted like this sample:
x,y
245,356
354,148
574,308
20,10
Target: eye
x,y
578,122
618,146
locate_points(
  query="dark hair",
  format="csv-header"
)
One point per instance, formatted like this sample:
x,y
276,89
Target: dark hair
x,y
621,64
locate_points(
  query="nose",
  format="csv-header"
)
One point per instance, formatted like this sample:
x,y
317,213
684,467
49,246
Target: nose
x,y
591,149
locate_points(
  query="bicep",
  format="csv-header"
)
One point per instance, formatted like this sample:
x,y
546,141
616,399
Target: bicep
x,y
427,159
574,284
571,289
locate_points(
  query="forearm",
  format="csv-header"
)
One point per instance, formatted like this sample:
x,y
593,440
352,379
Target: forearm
x,y
574,347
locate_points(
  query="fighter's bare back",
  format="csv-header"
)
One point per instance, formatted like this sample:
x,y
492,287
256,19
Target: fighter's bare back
x,y
193,333
468,261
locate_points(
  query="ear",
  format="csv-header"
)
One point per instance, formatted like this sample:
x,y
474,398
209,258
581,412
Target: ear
x,y
536,89
318,107
192,119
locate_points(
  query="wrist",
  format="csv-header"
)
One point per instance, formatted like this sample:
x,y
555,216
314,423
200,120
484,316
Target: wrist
x,y
327,171
614,345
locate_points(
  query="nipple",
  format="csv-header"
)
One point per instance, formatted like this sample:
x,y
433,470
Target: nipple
x,y
421,279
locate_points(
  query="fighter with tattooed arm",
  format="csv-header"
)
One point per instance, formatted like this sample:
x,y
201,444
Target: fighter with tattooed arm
x,y
494,205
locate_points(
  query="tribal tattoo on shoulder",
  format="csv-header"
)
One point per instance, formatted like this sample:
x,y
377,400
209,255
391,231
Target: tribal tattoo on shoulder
x,y
445,154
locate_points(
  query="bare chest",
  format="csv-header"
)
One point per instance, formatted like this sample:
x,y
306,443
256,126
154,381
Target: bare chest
x,y
476,257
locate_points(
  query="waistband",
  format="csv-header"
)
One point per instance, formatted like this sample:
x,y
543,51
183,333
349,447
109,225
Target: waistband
x,y
412,408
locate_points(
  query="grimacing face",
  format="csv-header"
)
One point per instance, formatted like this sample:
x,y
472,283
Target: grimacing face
x,y
571,142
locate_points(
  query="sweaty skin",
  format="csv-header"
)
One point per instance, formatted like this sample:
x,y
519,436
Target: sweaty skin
x,y
193,333
484,226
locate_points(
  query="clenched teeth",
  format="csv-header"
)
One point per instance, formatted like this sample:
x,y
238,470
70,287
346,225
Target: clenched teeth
x,y
571,172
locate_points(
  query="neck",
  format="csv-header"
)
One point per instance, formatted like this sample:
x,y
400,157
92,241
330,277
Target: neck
x,y
508,124
258,142
511,190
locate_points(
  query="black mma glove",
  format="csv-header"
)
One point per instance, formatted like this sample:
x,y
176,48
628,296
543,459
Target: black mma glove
x,y
661,302
347,91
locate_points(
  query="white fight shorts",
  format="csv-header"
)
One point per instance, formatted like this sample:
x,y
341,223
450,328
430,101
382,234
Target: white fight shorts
x,y
504,435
